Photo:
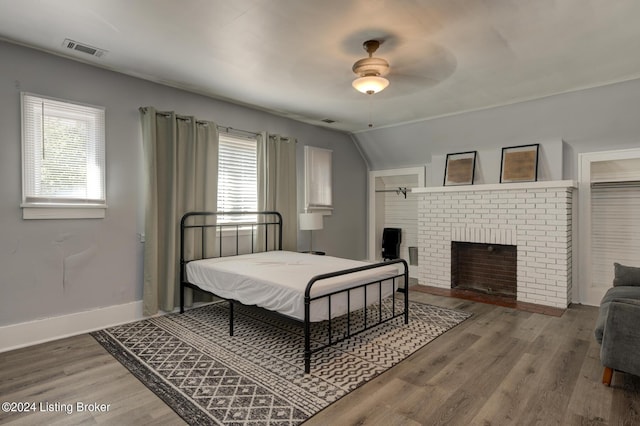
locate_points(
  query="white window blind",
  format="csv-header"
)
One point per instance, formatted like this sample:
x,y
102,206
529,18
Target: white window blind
x,y
63,154
237,176
615,229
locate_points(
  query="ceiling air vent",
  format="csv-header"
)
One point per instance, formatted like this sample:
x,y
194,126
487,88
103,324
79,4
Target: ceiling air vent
x,y
84,48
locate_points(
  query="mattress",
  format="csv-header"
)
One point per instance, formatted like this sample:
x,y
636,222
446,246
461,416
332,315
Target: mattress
x,y
276,280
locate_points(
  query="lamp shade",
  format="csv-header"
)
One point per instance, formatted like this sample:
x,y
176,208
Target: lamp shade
x,y
310,221
370,84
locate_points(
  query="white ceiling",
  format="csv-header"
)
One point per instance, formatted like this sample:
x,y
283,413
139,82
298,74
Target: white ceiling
x,y
294,57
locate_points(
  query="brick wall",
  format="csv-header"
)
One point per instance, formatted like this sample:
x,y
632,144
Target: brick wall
x,y
534,217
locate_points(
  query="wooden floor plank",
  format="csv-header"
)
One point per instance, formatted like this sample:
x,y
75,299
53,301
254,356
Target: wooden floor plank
x,y
502,366
548,405
625,407
507,402
588,402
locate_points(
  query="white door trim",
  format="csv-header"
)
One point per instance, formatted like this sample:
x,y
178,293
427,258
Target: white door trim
x,y
372,251
586,295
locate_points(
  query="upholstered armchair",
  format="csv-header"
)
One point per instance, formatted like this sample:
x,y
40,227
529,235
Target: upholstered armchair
x,y
618,325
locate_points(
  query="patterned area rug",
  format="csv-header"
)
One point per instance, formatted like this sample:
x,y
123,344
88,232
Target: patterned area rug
x,y
256,377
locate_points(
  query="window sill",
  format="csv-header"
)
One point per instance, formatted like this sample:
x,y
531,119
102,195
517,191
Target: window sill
x,y
63,211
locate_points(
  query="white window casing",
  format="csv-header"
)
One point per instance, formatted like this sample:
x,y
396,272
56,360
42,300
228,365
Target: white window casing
x,y
63,159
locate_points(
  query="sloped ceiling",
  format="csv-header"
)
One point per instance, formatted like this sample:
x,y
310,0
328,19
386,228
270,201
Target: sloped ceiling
x,y
294,57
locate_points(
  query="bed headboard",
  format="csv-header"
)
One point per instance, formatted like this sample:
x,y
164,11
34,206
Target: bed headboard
x,y
218,234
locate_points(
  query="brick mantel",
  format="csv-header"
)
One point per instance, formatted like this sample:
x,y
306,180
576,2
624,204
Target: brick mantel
x,y
534,216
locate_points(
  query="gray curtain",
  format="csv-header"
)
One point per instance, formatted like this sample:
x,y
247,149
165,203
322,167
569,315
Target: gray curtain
x,y
181,169
277,183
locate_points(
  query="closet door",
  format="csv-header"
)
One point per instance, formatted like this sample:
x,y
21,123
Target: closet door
x,y
607,220
615,229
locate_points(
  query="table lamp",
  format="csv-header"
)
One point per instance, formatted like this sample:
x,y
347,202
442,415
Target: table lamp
x,y
310,222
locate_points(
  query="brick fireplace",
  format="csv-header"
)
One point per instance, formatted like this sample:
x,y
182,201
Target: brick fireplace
x,y
534,217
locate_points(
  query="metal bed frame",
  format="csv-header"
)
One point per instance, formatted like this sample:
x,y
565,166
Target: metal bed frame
x,y
272,220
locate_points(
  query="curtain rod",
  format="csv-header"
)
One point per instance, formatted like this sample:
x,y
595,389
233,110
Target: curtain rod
x,y
231,130
225,129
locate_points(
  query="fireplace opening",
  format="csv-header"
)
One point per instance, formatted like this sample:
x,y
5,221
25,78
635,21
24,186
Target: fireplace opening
x,y
485,268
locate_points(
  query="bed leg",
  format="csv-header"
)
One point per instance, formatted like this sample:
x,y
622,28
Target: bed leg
x,y
307,334
307,347
230,317
181,298
406,293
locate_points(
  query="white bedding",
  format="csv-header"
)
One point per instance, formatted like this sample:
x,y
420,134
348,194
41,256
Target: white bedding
x,y
276,280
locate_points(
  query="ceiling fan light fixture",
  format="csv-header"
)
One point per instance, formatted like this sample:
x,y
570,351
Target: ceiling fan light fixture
x,y
370,84
370,71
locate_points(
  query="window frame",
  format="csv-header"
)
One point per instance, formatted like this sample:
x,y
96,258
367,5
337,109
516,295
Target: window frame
x,y
62,207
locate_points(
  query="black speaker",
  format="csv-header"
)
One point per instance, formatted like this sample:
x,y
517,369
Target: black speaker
x,y
391,239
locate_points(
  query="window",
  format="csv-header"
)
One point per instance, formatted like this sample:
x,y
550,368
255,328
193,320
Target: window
x,y
63,160
317,179
237,176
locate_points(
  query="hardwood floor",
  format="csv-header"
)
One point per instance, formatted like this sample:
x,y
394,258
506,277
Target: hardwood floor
x,y
501,367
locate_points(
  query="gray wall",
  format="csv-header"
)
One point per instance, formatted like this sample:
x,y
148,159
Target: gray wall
x,y
597,119
33,283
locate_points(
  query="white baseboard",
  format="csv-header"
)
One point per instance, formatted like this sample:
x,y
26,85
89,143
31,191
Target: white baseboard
x,y
29,333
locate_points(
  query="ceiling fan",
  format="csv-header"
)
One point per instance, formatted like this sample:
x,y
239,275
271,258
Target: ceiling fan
x,y
418,64
370,70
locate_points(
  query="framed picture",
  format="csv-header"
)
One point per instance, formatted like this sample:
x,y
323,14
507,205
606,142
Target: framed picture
x,y
519,163
460,168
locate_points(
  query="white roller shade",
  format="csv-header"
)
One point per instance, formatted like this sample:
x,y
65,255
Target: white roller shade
x,y
318,181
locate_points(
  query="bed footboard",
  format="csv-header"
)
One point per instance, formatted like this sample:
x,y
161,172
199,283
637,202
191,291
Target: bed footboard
x,y
401,277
